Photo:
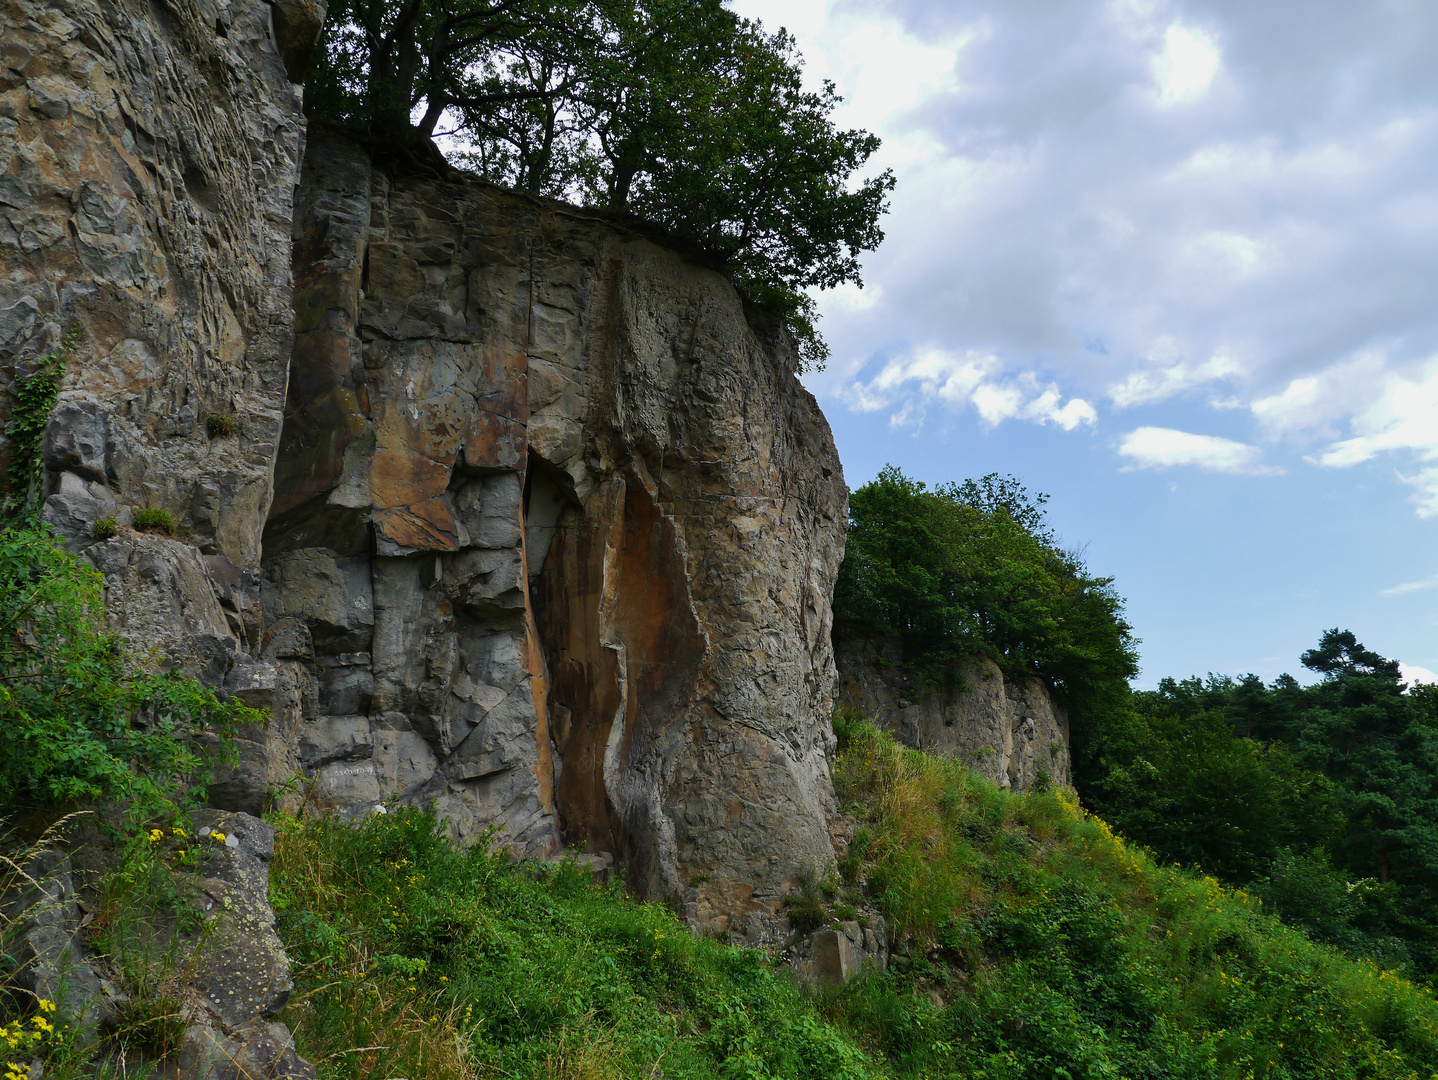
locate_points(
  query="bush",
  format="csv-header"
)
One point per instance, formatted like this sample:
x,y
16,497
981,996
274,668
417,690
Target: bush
x,y
79,718
104,528
153,519
220,425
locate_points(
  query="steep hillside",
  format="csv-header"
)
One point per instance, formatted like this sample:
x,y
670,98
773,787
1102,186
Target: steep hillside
x,y
1029,942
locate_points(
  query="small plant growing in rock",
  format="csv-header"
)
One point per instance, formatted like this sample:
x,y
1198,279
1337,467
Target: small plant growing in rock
x,y
806,912
221,425
104,528
153,519
845,912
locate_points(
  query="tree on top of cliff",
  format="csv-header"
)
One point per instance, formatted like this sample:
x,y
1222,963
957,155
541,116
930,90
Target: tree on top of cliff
x,y
971,569
678,111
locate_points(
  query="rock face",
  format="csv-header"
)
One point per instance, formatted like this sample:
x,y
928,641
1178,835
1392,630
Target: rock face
x,y
1013,733
501,507
148,156
552,543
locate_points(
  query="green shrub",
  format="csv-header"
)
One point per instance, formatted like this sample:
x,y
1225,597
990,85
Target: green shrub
x,y
220,425
104,528
153,519
806,912
79,718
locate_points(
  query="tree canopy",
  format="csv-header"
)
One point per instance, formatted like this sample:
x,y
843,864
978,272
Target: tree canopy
x,y
678,111
971,569
1324,798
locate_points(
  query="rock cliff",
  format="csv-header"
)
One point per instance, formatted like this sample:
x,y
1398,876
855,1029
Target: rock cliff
x,y
501,506
1015,734
148,156
554,533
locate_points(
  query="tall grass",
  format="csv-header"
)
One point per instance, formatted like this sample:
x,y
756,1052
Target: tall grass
x,y
1041,945
423,961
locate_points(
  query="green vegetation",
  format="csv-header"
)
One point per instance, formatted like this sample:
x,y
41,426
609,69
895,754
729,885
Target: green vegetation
x,y
79,718
969,570
220,425
35,396
153,519
420,960
104,528
1324,799
678,111
1032,943
1041,946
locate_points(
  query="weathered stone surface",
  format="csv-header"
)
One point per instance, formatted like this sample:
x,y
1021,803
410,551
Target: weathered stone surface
x,y
1013,733
159,595
258,1051
42,922
148,155
833,955
605,523
241,972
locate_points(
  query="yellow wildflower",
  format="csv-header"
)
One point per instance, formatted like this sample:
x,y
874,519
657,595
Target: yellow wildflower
x,y
156,835
217,837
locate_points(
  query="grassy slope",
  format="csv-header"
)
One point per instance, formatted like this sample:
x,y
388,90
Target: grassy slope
x,y
1037,945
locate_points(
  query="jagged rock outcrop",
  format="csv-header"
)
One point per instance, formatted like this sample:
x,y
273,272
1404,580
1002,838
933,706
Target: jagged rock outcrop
x,y
148,160
548,526
554,533
148,157
1012,733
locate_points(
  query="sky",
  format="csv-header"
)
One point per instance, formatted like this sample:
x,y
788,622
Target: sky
x,y
1176,265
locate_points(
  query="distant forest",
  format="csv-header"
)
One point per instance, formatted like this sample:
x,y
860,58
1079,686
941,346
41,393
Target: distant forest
x,y
1321,800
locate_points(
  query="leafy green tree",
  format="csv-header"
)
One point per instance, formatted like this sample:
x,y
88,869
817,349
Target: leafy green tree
x,y
678,111
1199,795
1323,799
969,570
1362,731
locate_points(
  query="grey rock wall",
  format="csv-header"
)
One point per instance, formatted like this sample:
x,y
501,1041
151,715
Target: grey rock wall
x,y
1011,733
554,533
148,158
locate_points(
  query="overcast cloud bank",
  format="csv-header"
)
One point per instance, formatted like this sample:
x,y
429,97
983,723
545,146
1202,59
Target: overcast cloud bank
x,y
1136,207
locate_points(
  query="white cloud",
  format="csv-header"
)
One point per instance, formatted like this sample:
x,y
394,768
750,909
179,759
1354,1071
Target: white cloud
x,y
1187,65
1313,403
1412,673
1404,417
1413,586
1392,414
1218,214
1162,448
1425,490
908,383
1159,384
